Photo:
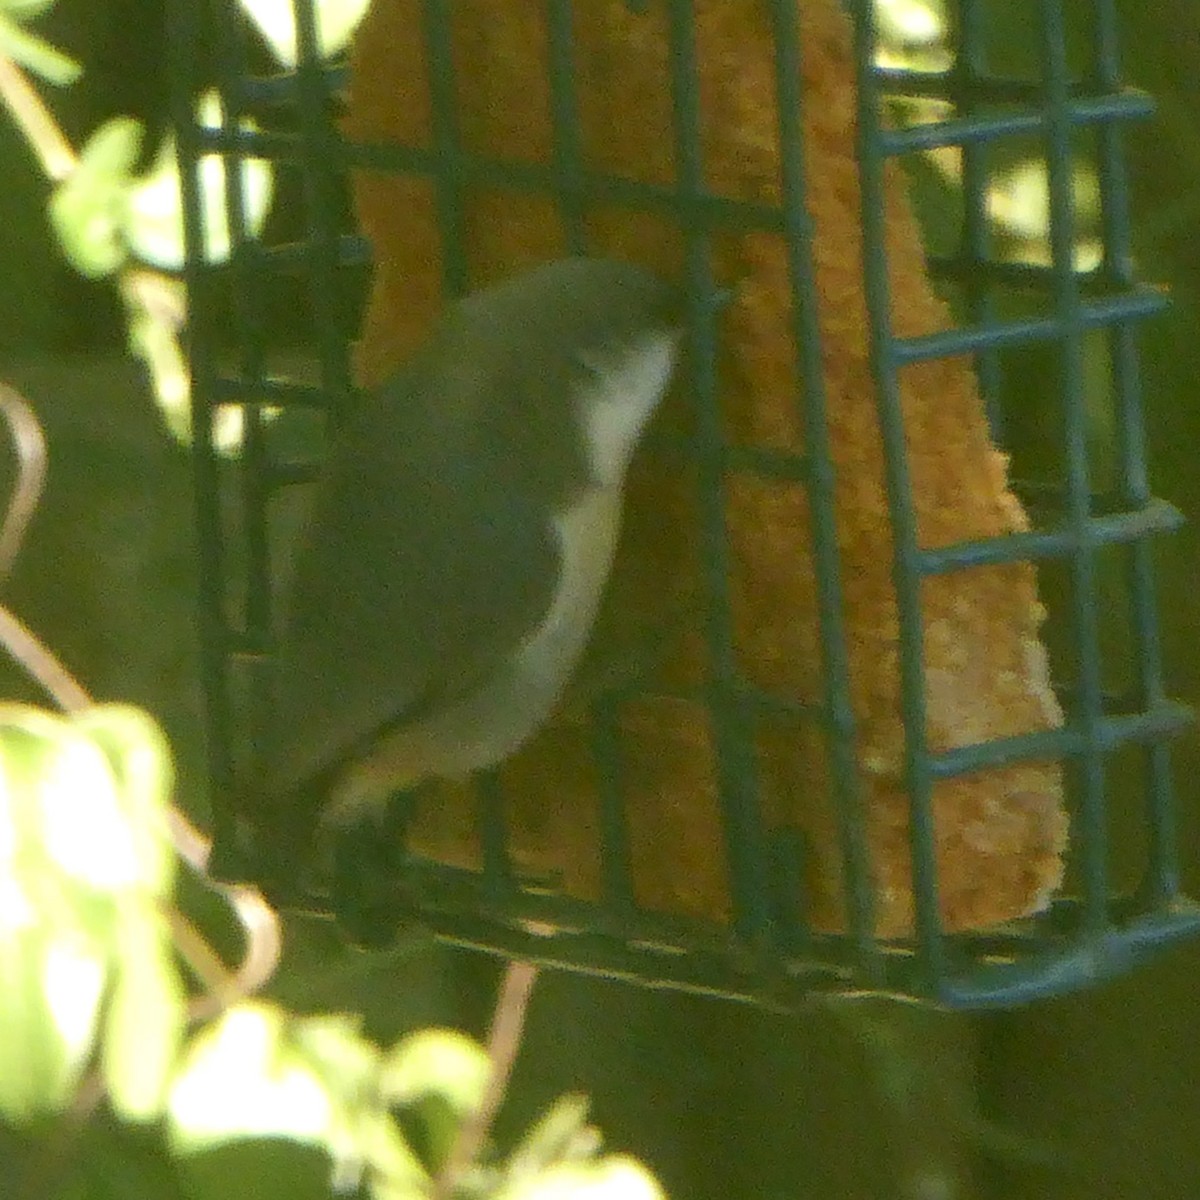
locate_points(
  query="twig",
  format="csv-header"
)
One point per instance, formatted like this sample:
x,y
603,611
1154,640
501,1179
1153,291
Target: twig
x,y
260,923
264,945
41,131
223,989
200,957
40,664
258,919
504,1040
30,446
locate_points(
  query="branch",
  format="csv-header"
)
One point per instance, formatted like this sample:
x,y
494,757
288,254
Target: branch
x,y
57,156
503,1042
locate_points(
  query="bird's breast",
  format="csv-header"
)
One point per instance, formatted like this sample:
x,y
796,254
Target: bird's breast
x,y
492,721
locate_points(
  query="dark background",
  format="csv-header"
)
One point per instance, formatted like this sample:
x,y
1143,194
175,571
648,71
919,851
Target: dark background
x,y
1096,1095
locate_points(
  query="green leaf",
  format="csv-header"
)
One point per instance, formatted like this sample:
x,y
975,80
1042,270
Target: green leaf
x,y
52,973
88,208
440,1062
50,992
86,835
28,50
25,10
157,345
153,218
77,806
393,1170
335,1049
336,21
436,1076
361,1134
614,1177
140,759
145,1018
558,1135
236,1082
155,342
257,1073
94,794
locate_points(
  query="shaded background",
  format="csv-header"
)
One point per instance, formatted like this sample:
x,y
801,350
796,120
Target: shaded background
x,y
1097,1095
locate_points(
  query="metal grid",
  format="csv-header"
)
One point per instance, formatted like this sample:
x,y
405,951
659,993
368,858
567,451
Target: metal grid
x,y
761,958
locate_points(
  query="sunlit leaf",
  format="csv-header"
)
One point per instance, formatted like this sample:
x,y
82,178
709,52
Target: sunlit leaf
x,y
393,1169
335,22
145,1018
436,1076
87,835
62,801
259,1073
1018,200
52,972
362,1135
73,974
615,1177
156,306
27,1042
156,343
50,991
22,752
140,759
382,1188
154,215
28,50
88,208
62,824
25,10
335,1048
68,856
236,1082
442,1062
560,1134
347,1065
911,21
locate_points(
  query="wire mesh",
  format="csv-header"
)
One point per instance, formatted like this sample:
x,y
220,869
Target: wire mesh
x,y
767,953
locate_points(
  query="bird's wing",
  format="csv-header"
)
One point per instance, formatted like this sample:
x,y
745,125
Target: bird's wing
x,y
425,564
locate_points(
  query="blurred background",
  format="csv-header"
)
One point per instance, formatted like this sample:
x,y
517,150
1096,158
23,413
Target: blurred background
x,y
1096,1095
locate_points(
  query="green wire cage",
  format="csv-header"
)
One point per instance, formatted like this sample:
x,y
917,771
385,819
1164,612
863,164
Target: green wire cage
x,y
1066,107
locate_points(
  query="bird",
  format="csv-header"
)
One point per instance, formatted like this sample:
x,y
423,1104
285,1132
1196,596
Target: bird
x,y
459,543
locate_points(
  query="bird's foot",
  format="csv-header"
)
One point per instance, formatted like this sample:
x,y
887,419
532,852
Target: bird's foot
x,y
367,887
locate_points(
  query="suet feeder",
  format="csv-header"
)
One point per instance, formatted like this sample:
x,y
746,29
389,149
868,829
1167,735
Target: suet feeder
x,y
877,699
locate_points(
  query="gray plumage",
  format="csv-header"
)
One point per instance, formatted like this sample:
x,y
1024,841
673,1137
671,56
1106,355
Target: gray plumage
x,y
462,535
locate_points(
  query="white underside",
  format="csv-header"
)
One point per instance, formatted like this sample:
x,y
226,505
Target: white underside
x,y
626,392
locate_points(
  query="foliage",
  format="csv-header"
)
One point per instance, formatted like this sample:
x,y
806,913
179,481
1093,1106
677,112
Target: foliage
x,y
83,941
28,50
111,220
92,995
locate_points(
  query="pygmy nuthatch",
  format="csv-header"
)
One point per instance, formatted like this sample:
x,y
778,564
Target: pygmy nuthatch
x,y
461,538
